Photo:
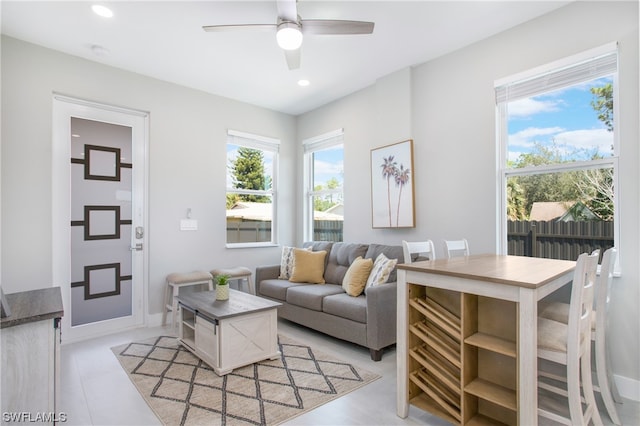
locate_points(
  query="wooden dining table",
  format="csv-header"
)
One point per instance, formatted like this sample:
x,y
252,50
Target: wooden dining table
x,y
481,285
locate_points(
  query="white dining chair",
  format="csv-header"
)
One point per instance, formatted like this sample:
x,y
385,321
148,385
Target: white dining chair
x,y
569,344
559,311
418,250
456,248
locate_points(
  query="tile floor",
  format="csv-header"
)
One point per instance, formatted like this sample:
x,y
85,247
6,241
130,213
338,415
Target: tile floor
x,y
95,390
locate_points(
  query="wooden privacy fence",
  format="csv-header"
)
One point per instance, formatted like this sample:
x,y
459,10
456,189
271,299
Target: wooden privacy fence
x,y
327,230
248,231
251,231
558,240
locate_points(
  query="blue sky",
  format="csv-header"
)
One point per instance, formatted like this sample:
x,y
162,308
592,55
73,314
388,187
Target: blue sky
x,y
328,163
564,115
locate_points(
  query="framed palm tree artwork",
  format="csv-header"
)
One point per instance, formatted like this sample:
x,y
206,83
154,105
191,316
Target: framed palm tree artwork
x,y
392,188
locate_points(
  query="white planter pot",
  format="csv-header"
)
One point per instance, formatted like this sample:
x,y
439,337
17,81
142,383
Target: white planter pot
x,y
222,292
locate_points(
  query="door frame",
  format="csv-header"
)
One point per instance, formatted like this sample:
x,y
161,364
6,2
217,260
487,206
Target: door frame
x,y
65,107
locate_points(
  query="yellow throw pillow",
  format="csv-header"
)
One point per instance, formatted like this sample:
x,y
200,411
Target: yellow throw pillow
x,y
286,262
356,277
308,266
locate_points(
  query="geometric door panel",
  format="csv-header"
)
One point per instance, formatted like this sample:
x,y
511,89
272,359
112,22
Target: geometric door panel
x,y
101,221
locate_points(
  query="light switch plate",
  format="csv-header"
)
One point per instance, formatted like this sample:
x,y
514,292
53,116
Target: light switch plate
x,y
188,225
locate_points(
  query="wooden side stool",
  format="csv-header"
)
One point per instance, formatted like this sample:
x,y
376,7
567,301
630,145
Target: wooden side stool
x,y
174,282
238,273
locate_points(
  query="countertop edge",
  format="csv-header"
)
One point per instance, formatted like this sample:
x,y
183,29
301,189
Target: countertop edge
x,y
32,306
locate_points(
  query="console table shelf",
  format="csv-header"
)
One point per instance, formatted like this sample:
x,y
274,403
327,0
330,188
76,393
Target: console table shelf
x,y
492,343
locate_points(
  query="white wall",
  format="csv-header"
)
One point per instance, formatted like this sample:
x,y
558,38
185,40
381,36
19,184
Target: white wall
x,y
187,164
452,122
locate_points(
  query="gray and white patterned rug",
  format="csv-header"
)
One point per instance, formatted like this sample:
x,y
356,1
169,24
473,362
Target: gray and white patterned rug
x,y
183,390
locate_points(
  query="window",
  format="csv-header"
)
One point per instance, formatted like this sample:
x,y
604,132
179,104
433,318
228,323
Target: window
x,y
324,183
558,157
251,186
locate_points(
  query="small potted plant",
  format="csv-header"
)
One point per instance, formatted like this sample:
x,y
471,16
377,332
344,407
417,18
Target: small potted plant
x,y
222,287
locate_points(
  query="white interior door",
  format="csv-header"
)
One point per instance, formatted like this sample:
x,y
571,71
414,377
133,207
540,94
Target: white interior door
x,y
99,182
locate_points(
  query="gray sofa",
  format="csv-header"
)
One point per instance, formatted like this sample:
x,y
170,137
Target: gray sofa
x,y
368,320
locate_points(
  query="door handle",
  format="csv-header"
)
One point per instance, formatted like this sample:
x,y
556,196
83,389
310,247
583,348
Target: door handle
x,y
138,247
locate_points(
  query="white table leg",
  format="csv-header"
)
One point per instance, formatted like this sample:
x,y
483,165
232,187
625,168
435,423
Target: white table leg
x,y
402,407
528,358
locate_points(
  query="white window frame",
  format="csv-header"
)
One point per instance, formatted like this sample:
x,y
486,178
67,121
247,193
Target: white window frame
x,y
262,143
311,145
549,77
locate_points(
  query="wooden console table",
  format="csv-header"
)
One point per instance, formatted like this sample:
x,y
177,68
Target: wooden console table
x,y
467,336
228,334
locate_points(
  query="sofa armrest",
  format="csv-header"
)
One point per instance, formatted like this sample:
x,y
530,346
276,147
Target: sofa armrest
x,y
381,315
269,272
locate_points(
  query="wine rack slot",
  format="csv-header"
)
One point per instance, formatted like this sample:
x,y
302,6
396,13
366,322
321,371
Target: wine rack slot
x,y
437,314
438,367
437,393
427,336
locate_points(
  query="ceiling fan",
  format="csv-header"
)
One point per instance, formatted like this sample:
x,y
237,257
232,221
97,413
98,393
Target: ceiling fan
x,y
290,29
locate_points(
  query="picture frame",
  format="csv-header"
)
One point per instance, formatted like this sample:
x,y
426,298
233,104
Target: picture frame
x,y
392,186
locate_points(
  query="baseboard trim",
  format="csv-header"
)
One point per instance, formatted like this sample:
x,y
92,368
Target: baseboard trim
x,y
155,320
628,388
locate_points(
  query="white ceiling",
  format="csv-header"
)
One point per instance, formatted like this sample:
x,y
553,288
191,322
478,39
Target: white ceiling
x,y
165,40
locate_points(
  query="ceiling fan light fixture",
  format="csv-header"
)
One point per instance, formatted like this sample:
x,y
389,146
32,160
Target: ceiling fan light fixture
x,y
289,36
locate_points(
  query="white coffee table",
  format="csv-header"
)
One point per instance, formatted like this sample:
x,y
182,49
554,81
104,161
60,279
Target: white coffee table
x,y
229,334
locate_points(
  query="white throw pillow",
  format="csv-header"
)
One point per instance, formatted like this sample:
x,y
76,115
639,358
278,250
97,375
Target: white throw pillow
x,y
381,270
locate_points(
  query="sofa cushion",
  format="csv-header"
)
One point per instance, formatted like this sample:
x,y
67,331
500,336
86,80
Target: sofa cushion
x,y
341,257
356,277
310,296
392,252
345,306
308,266
276,288
380,271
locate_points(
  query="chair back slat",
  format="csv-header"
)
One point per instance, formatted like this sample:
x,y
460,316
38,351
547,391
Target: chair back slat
x,y
456,248
581,305
421,248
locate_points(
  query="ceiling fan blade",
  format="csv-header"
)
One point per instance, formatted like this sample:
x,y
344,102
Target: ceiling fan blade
x,y
240,27
287,10
293,58
333,26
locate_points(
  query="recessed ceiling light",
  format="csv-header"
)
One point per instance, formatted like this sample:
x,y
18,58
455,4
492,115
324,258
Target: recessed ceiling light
x,y
303,83
103,11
